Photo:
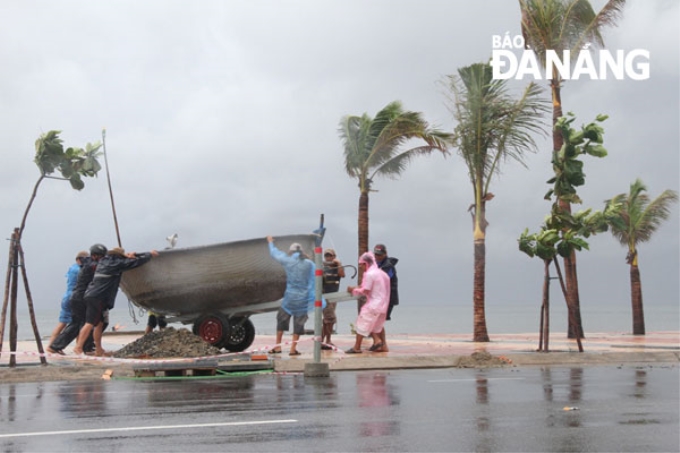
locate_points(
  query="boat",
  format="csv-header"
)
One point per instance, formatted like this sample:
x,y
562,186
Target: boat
x,y
215,287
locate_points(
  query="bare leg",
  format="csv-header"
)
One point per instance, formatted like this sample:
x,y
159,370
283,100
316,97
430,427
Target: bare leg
x,y
357,342
330,332
57,330
279,338
293,346
82,338
383,340
326,333
98,330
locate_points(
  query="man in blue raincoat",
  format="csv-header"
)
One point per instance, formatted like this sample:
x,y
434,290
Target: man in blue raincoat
x,y
299,295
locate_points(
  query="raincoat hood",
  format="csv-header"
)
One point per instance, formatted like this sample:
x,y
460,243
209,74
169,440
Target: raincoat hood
x,y
368,259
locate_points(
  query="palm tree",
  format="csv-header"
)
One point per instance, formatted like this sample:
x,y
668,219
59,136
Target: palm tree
x,y
633,218
492,127
372,148
561,25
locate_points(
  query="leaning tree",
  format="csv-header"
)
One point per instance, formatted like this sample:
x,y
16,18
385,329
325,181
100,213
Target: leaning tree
x,y
73,164
634,218
374,147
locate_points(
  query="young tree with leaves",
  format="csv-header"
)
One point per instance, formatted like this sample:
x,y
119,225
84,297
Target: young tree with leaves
x,y
564,233
73,164
565,25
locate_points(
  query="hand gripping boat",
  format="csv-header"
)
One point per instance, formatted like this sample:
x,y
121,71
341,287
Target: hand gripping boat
x,y
215,287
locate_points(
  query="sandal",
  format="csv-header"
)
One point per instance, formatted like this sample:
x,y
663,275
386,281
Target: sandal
x,y
352,351
294,353
376,347
326,347
274,351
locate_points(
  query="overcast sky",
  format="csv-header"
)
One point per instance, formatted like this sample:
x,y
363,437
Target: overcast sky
x,y
222,124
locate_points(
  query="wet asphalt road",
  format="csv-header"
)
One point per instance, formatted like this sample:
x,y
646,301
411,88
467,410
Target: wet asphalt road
x,y
624,408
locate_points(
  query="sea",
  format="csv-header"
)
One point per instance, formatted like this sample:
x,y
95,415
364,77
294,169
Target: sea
x,y
408,318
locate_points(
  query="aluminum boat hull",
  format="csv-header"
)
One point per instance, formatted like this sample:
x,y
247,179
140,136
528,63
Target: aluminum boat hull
x,y
235,279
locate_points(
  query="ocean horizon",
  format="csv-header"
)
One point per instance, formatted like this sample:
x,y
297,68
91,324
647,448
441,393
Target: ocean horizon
x,y
409,318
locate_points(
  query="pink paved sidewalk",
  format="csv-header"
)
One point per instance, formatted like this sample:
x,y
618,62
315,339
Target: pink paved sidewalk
x,y
403,346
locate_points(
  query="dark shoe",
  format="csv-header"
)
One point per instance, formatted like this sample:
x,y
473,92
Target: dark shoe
x,y
274,351
325,347
352,351
294,353
376,347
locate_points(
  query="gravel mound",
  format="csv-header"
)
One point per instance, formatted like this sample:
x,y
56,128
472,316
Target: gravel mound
x,y
167,343
482,359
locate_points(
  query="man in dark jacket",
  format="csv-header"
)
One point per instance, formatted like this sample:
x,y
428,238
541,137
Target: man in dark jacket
x,y
101,292
387,264
78,309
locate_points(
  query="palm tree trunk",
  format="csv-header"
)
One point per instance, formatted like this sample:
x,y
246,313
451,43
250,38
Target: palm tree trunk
x,y
555,88
636,300
575,328
363,235
480,332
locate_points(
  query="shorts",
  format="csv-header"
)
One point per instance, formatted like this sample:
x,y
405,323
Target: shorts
x,y
94,310
329,313
370,321
65,316
78,310
283,322
156,320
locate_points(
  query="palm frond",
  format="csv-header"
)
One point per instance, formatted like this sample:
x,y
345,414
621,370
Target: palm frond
x,y
352,131
371,144
654,214
634,218
492,125
609,15
398,163
565,24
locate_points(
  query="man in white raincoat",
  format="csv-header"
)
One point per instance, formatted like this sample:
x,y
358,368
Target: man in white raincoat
x,y
375,285
299,295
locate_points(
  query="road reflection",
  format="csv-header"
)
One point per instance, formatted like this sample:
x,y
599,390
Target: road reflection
x,y
375,394
79,398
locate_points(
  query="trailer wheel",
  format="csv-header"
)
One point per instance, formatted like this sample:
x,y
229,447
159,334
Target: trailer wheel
x,y
212,328
241,334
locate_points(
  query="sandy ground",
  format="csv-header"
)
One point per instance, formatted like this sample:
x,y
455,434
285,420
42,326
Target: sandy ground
x,y
60,372
406,351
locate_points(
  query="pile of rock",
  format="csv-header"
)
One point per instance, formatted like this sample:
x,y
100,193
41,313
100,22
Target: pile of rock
x,y
167,343
483,359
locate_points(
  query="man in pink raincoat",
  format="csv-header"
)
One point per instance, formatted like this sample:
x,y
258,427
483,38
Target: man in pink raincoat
x,y
375,286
